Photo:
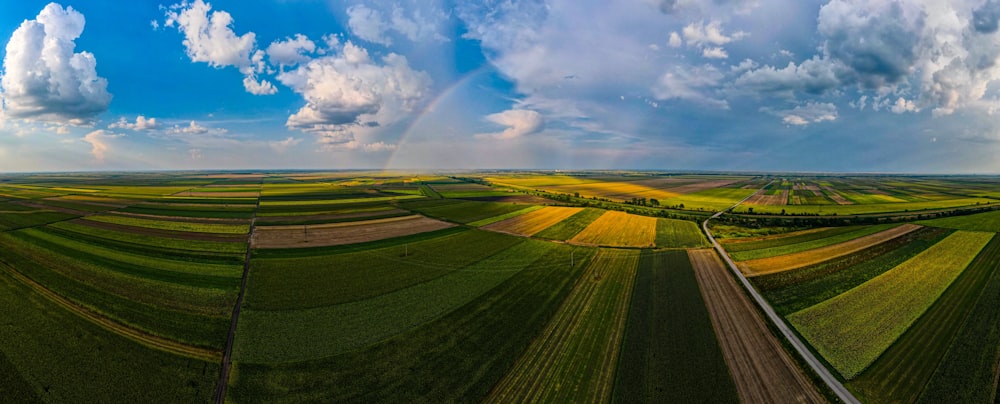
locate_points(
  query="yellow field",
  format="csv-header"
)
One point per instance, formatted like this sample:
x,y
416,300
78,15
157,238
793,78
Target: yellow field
x,y
810,257
533,222
619,229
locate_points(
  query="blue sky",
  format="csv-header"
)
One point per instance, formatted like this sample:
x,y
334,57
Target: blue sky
x,y
844,85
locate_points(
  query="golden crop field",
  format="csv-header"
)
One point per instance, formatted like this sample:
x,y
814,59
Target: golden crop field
x,y
619,229
787,262
533,222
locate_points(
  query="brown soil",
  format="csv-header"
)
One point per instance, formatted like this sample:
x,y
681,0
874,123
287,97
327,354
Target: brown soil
x,y
343,233
145,231
761,368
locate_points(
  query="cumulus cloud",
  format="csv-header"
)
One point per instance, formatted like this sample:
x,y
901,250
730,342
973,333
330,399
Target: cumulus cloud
x,y
702,34
141,123
98,140
812,76
519,123
193,128
291,51
209,38
675,40
903,105
714,53
347,91
802,115
376,21
44,78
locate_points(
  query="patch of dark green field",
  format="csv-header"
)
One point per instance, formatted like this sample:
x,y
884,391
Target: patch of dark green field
x,y
457,358
461,211
670,352
48,354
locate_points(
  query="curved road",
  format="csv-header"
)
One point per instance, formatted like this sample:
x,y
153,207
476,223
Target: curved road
x,y
842,393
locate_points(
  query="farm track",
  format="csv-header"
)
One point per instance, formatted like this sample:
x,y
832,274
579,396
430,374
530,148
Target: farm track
x,y
133,334
818,367
220,389
761,369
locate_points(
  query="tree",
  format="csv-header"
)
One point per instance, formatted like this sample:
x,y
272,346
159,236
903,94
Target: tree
x,y
654,201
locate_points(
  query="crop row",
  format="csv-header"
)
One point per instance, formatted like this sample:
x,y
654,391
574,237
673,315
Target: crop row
x,y
574,359
456,358
669,352
785,248
854,328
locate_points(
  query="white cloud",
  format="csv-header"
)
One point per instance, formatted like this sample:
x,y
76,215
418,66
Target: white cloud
x,y
702,34
347,92
44,79
903,105
193,128
519,123
262,87
802,115
368,24
209,38
141,123
98,140
675,40
811,76
377,147
416,21
291,51
714,53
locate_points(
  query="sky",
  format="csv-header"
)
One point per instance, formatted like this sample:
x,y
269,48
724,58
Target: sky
x,y
751,85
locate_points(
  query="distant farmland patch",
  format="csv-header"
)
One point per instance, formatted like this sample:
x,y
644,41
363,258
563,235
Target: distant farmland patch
x,y
533,222
343,233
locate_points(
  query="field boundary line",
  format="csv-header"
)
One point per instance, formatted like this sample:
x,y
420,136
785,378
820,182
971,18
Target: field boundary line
x,y
140,336
219,396
838,388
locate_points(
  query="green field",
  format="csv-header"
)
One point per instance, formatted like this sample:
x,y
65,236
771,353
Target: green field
x,y
669,352
901,373
854,328
172,225
671,233
989,221
289,335
461,211
505,216
458,357
870,208
568,228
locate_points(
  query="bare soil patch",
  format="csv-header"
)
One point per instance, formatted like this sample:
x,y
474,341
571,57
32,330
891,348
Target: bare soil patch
x,y
761,368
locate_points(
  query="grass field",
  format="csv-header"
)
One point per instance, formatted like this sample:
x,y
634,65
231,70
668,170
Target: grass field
x,y
574,359
172,225
901,373
672,233
854,328
872,208
989,221
619,229
461,211
505,216
669,352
